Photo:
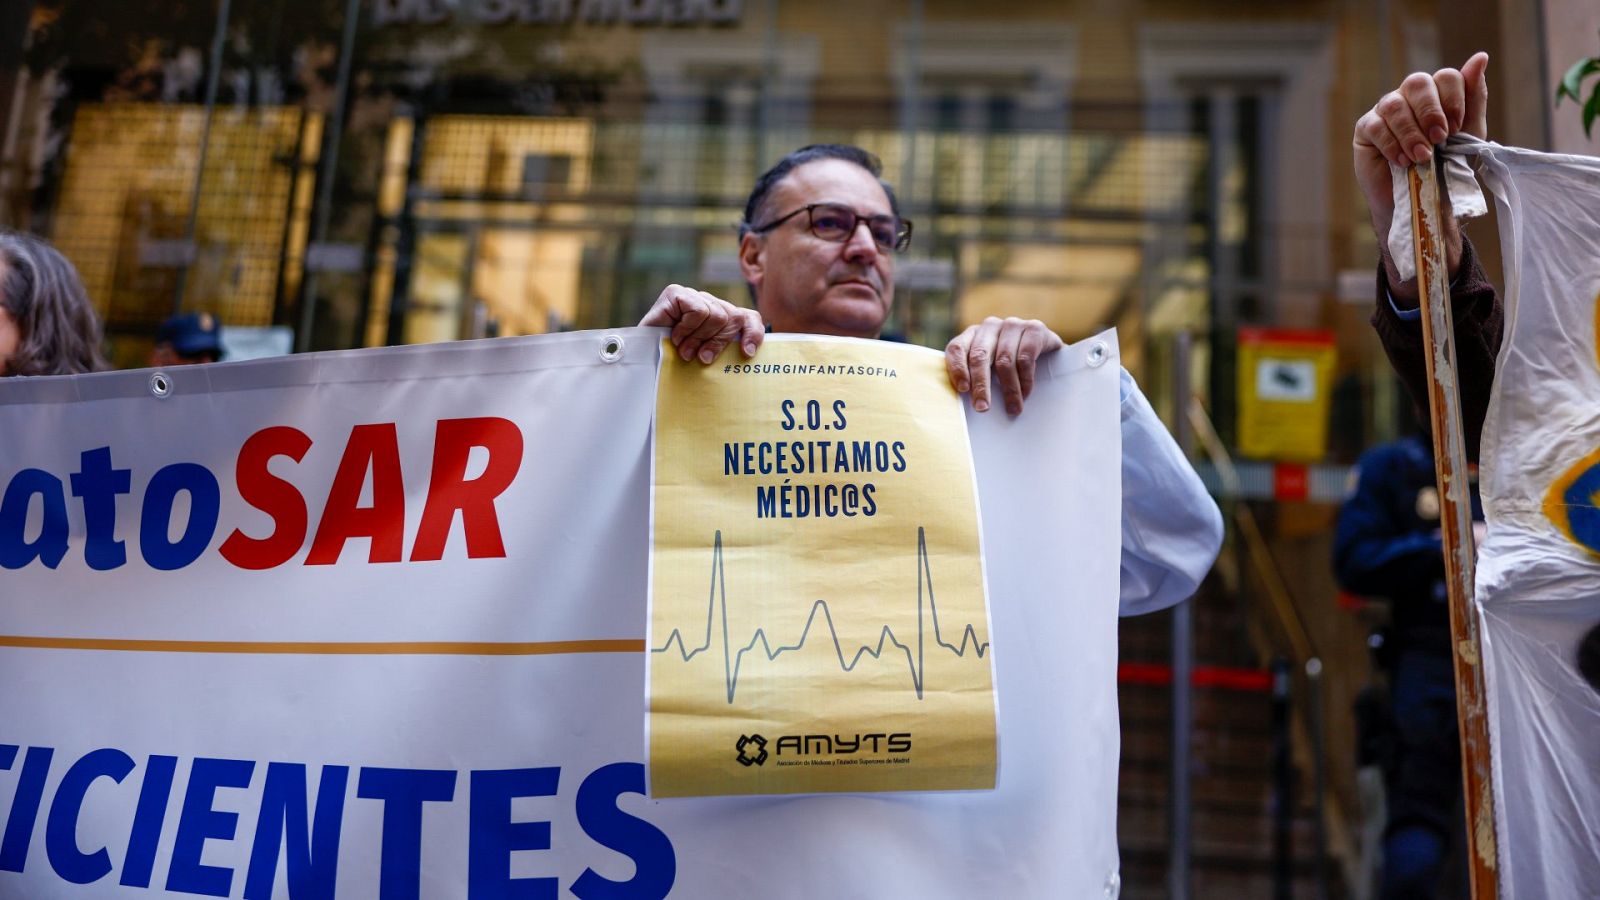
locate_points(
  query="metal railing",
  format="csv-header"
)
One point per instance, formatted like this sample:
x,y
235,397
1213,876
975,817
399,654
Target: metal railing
x,y
1306,726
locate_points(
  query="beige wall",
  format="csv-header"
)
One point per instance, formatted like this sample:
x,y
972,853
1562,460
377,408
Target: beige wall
x,y
1571,32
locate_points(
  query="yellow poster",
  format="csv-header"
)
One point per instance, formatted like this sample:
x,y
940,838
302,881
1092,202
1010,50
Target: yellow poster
x,y
818,615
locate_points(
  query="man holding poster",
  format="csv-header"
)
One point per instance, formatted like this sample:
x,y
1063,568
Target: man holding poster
x,y
383,621
817,247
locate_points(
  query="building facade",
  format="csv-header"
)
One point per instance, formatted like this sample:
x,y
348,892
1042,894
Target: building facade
x,y
444,169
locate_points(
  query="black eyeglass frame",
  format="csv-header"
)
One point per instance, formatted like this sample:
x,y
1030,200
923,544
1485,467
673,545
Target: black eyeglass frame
x,y
902,231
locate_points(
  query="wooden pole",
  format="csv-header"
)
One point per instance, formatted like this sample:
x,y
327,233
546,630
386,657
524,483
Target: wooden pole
x,y
1455,519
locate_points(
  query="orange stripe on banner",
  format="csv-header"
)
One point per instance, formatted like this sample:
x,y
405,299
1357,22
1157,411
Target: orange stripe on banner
x,y
315,648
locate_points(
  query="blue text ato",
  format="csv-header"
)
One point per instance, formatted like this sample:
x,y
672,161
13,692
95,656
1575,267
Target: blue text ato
x,y
35,529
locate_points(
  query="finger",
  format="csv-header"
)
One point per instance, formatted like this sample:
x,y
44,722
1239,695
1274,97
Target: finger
x,y
1036,342
1422,93
755,331
1452,89
979,357
1474,72
1395,110
1408,156
718,321
955,359
1005,363
743,326
1416,117
663,311
716,343
691,314
676,307
1372,132
1395,152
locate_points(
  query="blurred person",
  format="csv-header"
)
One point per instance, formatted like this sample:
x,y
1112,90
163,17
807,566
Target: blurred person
x,y
817,248
1387,545
47,324
186,340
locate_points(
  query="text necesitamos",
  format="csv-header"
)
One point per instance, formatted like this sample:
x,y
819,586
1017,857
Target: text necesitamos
x,y
789,500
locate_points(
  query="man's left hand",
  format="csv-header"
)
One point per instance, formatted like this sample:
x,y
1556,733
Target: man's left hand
x,y
1011,347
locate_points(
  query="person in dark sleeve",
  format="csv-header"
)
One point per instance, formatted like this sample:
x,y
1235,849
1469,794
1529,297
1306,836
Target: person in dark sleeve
x,y
1387,546
1402,128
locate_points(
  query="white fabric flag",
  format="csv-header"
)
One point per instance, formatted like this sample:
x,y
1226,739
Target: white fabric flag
x,y
372,623
1538,574
1466,201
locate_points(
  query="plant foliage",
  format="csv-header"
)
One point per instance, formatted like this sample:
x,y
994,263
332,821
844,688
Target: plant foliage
x,y
1572,86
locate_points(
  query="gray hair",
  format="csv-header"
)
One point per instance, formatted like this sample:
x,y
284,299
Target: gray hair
x,y
39,288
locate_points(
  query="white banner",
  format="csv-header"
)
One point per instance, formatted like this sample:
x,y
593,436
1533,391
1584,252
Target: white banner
x,y
372,624
1539,571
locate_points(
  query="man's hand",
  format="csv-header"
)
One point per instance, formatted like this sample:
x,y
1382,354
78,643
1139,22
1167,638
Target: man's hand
x,y
702,324
1401,128
1011,347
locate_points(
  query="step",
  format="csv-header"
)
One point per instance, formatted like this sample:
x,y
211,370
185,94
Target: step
x,y
1240,834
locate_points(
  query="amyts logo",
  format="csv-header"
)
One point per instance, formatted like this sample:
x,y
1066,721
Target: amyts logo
x,y
752,748
746,741
825,749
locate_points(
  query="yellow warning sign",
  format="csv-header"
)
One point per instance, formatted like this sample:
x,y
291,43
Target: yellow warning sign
x,y
1284,387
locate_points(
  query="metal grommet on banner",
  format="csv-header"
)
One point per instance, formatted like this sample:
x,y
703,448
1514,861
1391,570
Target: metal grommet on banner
x,y
160,385
1098,354
1114,885
611,347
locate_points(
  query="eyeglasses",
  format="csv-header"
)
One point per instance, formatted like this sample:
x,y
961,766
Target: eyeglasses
x,y
836,222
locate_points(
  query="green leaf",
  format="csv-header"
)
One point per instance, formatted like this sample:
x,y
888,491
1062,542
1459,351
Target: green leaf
x,y
1572,82
1591,111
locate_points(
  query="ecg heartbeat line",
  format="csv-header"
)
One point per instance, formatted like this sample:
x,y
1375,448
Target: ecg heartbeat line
x,y
732,661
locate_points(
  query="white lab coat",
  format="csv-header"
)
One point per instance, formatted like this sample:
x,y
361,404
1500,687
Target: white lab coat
x,y
1171,528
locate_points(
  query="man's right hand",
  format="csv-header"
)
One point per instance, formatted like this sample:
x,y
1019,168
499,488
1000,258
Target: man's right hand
x,y
703,324
1401,128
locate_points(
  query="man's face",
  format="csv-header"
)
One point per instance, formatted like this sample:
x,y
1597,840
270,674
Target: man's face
x,y
806,284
